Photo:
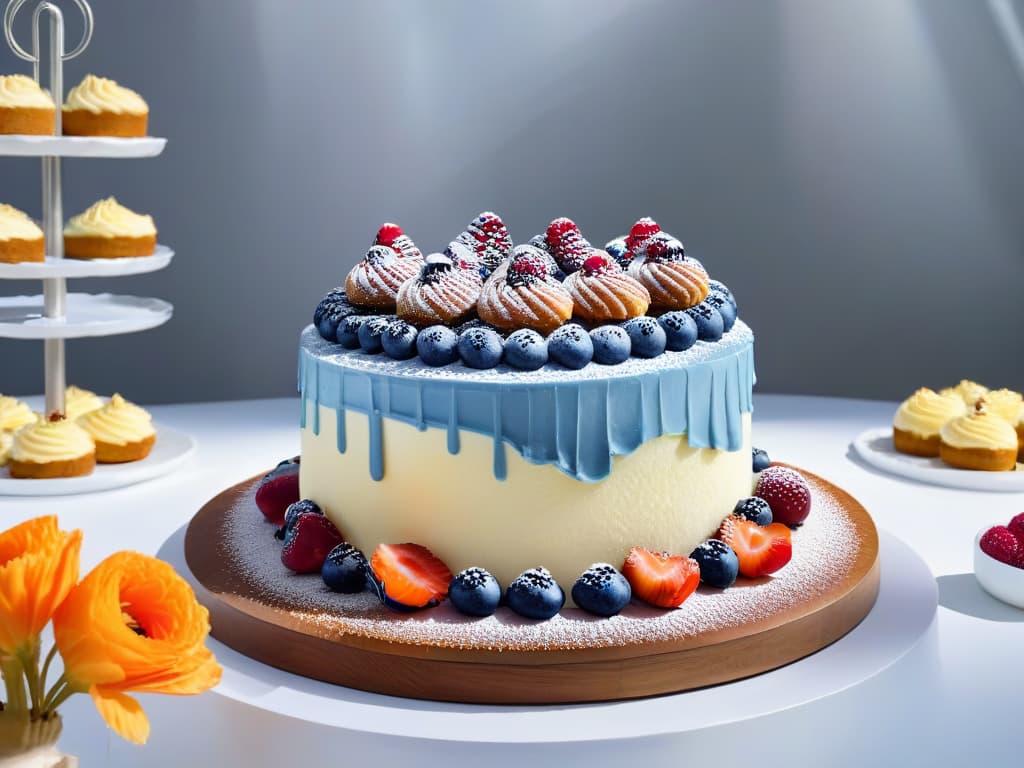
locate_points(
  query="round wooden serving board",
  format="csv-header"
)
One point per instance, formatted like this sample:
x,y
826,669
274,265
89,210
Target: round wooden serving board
x,y
294,623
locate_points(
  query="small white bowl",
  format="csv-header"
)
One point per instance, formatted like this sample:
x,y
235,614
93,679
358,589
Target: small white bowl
x,y
1004,582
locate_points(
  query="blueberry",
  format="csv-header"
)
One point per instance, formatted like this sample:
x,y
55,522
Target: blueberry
x,y
370,334
291,514
760,459
717,287
709,323
437,345
570,346
601,590
526,349
480,347
646,336
331,300
680,330
330,312
724,307
755,509
475,592
535,594
345,569
611,345
348,331
718,563
618,251
399,340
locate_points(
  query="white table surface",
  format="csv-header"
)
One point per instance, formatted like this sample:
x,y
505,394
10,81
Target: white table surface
x,y
955,698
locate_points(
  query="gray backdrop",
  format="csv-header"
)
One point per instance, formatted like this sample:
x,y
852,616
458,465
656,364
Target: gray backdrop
x,y
853,170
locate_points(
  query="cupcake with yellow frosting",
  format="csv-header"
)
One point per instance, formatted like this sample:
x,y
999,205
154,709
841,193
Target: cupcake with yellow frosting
x,y
14,414
48,449
1004,403
108,230
920,418
100,107
20,238
121,430
979,440
967,390
78,402
25,108
6,441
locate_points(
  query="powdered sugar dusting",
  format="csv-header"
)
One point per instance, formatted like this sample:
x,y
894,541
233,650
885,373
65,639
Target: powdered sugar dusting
x,y
825,550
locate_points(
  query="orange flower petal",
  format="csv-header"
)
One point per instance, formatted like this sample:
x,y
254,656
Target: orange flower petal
x,y
122,713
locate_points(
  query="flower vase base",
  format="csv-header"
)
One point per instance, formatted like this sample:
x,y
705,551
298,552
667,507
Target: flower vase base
x,y
28,743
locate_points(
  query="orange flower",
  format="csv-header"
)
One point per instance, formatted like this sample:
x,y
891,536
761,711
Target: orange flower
x,y
38,568
133,625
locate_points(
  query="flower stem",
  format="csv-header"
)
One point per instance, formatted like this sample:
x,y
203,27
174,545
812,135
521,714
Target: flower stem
x,y
14,680
46,668
28,655
60,696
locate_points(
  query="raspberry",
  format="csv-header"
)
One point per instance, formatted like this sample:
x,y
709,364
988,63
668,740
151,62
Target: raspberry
x,y
999,543
1016,527
596,264
640,232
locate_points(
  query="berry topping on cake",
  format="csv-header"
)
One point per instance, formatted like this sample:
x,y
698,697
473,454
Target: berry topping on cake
x,y
646,336
348,331
527,266
640,233
998,542
399,340
718,563
488,237
720,287
535,594
434,267
345,569
438,345
660,579
664,249
570,346
291,515
754,508
611,344
387,234
709,323
760,459
332,309
277,490
480,348
370,334
720,302
381,254
1016,527
475,592
312,537
617,250
762,550
526,350
680,330
567,244
601,590
787,493
599,263
410,575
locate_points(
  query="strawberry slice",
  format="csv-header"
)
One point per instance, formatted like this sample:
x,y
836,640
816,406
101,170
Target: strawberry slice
x,y
660,579
761,549
410,575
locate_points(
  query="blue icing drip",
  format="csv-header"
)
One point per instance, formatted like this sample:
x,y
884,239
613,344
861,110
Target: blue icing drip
x,y
575,421
316,408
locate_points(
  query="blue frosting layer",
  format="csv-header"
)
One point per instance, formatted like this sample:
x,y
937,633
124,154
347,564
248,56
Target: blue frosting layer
x,y
575,420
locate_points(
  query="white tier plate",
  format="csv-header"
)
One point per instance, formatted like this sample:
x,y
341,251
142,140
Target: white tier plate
x,y
875,448
80,146
101,314
171,449
31,270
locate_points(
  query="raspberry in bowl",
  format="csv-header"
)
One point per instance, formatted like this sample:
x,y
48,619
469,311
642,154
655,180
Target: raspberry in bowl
x,y
999,561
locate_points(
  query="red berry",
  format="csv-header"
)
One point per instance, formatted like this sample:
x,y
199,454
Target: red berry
x,y
410,574
787,493
598,263
1016,527
312,538
567,244
761,550
660,579
277,491
640,232
999,543
387,234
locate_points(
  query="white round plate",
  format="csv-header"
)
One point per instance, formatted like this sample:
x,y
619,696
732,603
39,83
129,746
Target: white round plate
x,y
875,447
29,270
80,146
101,314
171,449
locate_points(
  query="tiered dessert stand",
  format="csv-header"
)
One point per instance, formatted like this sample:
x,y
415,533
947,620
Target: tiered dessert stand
x,y
57,315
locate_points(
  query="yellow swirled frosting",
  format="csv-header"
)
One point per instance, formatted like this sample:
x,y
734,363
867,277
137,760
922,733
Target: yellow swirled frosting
x,y
16,225
22,91
925,411
969,391
118,423
47,441
980,429
100,94
14,414
1004,403
78,402
108,218
6,441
